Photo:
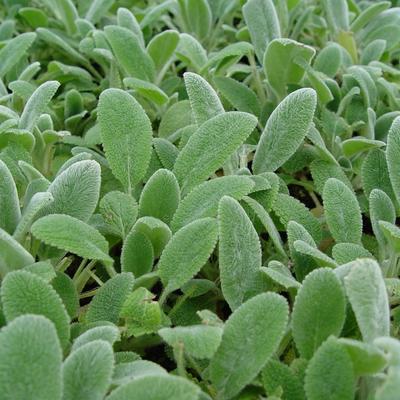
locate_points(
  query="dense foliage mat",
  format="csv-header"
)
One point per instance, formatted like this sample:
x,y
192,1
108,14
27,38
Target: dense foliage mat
x,y
198,199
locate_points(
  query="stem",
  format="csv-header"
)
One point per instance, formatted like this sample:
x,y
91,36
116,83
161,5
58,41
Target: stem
x,y
257,78
180,359
84,276
64,264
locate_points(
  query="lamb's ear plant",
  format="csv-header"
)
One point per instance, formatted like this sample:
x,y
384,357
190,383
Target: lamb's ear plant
x,y
199,200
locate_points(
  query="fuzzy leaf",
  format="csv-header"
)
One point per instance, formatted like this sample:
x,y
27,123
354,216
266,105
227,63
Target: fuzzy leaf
x,y
126,133
156,387
30,340
321,294
330,373
263,24
199,341
9,202
129,53
392,156
251,336
210,146
76,190
107,303
239,254
87,371
204,101
203,200
160,196
366,291
25,293
70,234
103,333
162,47
187,252
119,211
14,50
342,212
285,130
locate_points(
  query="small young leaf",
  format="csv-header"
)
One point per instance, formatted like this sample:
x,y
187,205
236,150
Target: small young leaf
x,y
199,341
38,298
204,101
243,352
210,146
321,294
330,373
107,303
342,212
70,234
104,333
30,340
162,47
160,196
187,252
126,133
37,103
203,200
239,254
263,24
285,130
66,289
87,371
156,387
366,291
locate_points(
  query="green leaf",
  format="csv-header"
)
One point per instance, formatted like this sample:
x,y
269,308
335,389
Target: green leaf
x,y
204,101
329,60
343,253
392,234
30,340
76,191
280,274
147,90
141,313
392,156
37,104
107,303
199,18
277,375
287,208
380,209
285,130
191,52
161,48
322,170
70,234
263,24
126,133
367,359
119,211
25,293
321,294
14,50
210,146
238,94
160,196
203,200
330,373
103,333
199,341
9,202
66,289
280,63
311,250
368,14
125,372
342,212
156,387
87,371
239,254
251,336
187,252
97,9
12,255
367,293
129,53
137,254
